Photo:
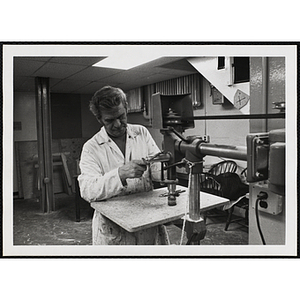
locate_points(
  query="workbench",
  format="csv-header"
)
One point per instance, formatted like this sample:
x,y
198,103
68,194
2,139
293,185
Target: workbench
x,y
141,211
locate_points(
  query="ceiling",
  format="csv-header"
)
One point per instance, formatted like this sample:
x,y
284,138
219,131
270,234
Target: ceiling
x,y
77,75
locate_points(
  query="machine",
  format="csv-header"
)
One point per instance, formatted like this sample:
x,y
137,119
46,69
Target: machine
x,y
264,155
266,175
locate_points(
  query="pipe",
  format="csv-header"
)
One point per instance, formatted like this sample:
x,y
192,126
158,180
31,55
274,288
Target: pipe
x,y
234,152
280,115
200,148
194,197
264,101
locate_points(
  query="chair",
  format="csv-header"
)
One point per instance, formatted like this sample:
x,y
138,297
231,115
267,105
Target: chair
x,y
223,167
221,180
210,185
209,182
241,202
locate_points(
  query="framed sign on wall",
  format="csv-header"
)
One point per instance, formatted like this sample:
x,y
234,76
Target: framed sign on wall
x,y
217,96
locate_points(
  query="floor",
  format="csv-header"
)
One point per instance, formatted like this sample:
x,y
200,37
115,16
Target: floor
x,y
32,227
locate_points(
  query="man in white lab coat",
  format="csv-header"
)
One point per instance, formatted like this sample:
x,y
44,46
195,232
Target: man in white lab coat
x,y
112,163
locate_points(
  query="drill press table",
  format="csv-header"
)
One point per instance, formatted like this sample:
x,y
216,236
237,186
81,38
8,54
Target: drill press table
x,y
146,210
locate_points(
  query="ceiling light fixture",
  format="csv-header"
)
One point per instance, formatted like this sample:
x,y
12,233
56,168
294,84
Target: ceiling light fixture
x,y
127,59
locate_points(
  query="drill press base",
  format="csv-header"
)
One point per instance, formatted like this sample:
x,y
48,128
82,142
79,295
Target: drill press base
x,y
195,231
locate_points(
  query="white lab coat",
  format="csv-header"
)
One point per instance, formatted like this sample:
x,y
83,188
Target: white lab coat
x,y
99,178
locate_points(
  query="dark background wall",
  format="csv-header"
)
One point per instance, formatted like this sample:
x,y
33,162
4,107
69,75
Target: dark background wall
x,y
66,116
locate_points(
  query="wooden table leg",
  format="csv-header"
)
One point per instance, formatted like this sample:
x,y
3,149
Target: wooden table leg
x,y
162,237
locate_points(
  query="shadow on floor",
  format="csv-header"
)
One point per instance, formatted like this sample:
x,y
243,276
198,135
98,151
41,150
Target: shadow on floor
x,y
32,227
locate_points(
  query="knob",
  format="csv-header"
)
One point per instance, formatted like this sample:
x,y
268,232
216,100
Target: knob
x,y
46,180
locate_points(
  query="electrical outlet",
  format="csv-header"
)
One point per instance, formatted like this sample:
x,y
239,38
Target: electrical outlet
x,y
272,204
206,138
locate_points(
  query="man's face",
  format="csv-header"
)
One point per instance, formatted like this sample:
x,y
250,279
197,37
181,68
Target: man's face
x,y
115,120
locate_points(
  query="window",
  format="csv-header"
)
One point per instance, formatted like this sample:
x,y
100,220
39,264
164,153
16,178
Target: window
x,y
241,69
221,62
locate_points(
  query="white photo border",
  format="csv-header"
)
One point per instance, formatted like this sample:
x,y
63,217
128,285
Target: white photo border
x,y
289,51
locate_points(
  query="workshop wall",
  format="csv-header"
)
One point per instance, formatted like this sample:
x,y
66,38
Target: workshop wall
x,y
66,116
25,140
24,118
90,125
25,115
228,132
222,132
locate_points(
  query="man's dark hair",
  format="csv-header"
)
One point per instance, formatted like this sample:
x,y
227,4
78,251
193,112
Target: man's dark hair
x,y
105,99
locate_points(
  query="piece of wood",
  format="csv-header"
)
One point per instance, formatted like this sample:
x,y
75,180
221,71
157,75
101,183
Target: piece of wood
x,y
66,185
61,177
26,154
65,167
53,154
25,151
145,210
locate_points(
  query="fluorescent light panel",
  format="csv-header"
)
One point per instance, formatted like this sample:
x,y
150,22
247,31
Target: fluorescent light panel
x,y
127,60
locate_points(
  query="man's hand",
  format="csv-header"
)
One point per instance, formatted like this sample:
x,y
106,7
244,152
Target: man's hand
x,y
133,169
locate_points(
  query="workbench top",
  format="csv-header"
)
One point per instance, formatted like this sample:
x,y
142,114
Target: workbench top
x,y
145,210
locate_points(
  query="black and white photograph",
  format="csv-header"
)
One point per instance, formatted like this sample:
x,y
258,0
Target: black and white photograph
x,y
149,150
